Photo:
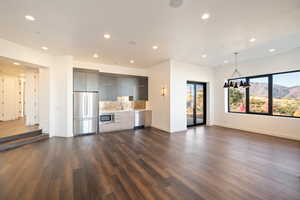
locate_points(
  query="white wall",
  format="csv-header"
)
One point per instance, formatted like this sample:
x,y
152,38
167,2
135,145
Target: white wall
x,y
180,74
31,96
114,69
61,96
44,99
159,77
278,126
60,84
169,112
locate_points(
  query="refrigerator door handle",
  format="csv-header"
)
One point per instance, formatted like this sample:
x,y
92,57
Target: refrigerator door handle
x,y
86,104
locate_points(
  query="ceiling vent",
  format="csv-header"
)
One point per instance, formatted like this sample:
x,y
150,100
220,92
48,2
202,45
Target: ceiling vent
x,y
175,3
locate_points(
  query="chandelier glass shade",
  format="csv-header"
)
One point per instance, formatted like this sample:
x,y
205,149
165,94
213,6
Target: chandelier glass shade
x,y
236,83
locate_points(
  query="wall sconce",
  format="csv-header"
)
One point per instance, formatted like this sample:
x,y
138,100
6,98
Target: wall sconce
x,y
163,91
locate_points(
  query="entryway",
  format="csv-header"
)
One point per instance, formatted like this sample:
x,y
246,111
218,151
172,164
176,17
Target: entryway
x,y
19,87
20,93
196,103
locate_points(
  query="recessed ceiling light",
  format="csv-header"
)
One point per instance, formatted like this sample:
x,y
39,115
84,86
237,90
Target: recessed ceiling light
x,y
205,16
252,40
175,3
155,47
29,17
131,61
225,61
272,50
106,36
96,55
204,55
132,42
16,63
44,48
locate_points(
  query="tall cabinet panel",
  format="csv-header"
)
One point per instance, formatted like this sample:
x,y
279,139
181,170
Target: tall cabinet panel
x,y
85,80
79,82
86,102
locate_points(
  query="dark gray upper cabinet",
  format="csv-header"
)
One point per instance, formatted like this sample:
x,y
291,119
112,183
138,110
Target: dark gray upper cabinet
x,y
79,81
142,88
92,81
112,86
126,86
85,80
107,88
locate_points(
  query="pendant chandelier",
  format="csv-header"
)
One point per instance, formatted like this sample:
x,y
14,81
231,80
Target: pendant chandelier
x,y
236,73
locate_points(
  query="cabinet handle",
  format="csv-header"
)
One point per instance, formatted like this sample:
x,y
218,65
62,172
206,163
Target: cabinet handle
x,y
86,105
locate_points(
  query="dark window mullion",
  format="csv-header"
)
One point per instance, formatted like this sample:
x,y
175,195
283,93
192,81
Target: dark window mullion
x,y
270,94
195,103
228,104
247,96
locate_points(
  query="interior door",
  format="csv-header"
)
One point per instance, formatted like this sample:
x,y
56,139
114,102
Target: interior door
x,y
196,103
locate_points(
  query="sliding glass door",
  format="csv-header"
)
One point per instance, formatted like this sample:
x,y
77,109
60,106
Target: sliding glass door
x,y
196,103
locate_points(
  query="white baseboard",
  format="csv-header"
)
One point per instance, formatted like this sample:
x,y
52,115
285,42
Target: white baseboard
x,y
263,132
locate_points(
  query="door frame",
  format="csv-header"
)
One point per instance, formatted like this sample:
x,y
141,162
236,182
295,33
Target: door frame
x,y
195,103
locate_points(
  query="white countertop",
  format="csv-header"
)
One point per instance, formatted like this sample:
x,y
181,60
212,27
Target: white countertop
x,y
116,111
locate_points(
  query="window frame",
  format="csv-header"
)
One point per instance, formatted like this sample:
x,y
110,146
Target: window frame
x,y
228,106
270,95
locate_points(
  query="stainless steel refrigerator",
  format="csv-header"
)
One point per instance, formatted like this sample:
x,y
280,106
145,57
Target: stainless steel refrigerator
x,y
86,112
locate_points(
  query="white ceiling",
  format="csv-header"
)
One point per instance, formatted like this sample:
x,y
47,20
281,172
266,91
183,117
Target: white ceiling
x,y
76,27
8,67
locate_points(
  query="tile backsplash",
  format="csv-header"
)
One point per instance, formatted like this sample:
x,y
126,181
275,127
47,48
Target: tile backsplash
x,y
139,104
122,105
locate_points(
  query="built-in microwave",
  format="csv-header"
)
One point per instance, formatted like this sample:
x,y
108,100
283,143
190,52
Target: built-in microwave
x,y
106,118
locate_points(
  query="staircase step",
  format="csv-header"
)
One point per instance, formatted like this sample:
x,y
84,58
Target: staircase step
x,y
12,144
21,136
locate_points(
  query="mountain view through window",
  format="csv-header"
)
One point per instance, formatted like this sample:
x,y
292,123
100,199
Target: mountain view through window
x,y
286,94
259,95
285,97
237,98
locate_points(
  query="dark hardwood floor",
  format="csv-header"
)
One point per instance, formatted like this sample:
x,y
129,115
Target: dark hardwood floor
x,y
202,163
15,127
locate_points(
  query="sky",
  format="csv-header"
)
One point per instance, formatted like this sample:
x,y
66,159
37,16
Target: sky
x,y
286,79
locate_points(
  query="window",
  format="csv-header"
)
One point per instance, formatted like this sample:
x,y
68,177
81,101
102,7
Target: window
x,y
272,94
286,94
237,98
259,95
